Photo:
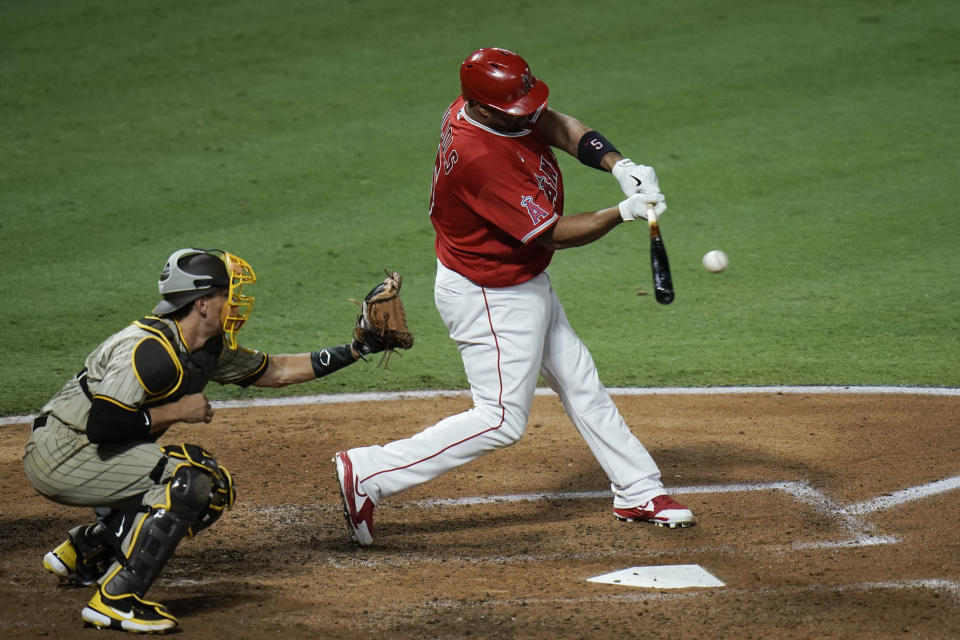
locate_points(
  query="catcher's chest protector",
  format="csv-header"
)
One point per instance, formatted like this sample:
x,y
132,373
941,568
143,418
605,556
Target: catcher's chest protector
x,y
195,368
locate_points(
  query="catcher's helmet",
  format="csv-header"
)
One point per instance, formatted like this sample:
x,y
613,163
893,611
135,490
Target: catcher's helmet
x,y
190,274
502,79
193,273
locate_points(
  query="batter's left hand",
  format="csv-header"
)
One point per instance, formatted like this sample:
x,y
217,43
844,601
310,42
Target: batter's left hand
x,y
635,178
638,178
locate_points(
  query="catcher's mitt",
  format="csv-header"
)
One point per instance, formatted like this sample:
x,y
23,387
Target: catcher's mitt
x,y
382,324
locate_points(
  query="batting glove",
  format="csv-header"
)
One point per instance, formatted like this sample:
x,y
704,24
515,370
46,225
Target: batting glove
x,y
635,178
635,207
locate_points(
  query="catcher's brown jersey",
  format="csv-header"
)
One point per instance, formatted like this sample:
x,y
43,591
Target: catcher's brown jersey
x,y
146,364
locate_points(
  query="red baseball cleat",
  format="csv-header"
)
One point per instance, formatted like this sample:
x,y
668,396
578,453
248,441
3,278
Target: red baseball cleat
x,y
662,511
357,507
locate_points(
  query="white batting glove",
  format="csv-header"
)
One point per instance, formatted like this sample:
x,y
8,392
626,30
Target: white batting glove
x,y
635,207
635,178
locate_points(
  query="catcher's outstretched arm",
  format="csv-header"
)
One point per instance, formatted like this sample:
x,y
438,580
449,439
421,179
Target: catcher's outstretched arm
x,y
381,327
286,369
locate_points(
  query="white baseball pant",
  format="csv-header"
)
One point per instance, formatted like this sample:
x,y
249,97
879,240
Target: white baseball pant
x,y
508,336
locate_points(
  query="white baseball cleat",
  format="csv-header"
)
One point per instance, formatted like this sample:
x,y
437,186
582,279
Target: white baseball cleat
x,y
357,507
662,511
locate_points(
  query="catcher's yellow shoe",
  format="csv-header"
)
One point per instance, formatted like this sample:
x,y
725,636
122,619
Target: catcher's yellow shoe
x,y
127,613
65,563
62,562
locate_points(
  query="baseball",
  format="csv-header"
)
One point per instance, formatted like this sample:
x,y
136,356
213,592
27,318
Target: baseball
x,y
715,261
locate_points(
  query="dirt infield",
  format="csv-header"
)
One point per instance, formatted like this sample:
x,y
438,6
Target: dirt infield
x,y
825,516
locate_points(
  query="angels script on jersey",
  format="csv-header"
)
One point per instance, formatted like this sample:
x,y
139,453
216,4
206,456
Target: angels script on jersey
x,y
446,157
547,178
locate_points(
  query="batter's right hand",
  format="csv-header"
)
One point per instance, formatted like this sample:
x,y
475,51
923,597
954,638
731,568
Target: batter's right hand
x,y
635,207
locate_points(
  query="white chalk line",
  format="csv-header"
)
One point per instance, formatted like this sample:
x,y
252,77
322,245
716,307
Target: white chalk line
x,y
861,533
949,588
903,496
342,398
858,533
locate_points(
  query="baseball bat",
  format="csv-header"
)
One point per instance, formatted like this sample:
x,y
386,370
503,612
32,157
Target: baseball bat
x,y
662,282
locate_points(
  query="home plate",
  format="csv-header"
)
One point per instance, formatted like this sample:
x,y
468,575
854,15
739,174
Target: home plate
x,y
671,576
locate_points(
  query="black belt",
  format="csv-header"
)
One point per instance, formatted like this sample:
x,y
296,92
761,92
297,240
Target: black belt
x,y
39,421
82,379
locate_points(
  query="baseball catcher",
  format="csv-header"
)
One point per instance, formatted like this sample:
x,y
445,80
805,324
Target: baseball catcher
x,y
95,443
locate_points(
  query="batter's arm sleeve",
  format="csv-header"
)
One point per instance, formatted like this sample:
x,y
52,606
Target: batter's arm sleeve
x,y
566,132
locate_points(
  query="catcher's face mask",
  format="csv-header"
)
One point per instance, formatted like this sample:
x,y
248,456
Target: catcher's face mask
x,y
237,308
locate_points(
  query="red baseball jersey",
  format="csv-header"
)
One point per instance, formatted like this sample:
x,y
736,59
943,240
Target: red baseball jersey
x,y
493,194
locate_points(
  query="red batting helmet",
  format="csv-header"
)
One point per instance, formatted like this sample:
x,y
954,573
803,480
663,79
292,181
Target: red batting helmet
x,y
502,79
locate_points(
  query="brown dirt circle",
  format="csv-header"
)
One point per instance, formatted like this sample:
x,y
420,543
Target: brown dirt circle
x,y
829,515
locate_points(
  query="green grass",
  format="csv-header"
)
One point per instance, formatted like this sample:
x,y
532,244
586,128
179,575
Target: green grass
x,y
815,142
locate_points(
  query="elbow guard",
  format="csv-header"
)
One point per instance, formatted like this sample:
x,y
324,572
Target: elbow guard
x,y
112,422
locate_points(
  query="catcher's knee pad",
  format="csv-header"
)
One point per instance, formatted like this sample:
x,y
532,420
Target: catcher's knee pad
x,y
222,497
190,491
211,498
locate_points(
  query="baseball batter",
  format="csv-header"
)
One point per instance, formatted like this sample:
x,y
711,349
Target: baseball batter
x,y
94,443
497,208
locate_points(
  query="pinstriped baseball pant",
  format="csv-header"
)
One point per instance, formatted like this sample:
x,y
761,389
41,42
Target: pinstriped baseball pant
x,y
65,467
